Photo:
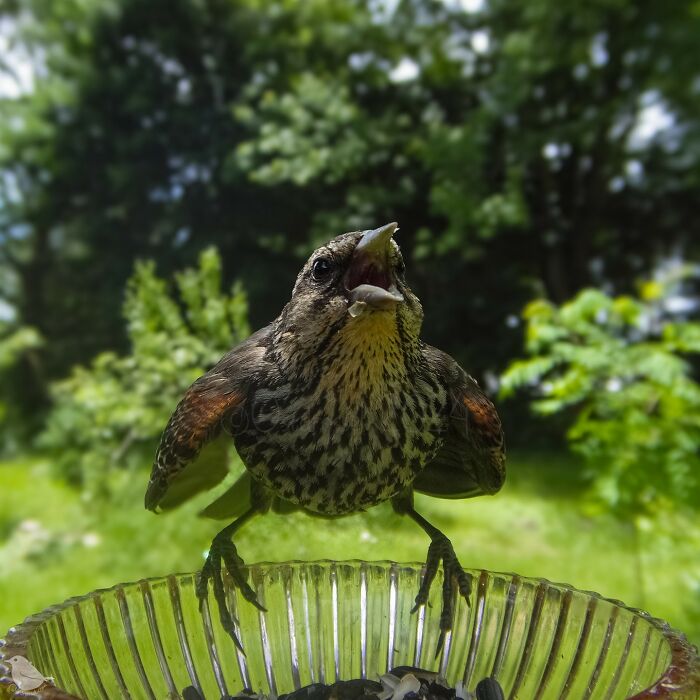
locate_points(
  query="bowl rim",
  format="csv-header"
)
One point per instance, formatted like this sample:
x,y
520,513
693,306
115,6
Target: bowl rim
x,y
680,680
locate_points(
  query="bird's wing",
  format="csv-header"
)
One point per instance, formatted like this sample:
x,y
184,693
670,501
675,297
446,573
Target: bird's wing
x,y
190,458
235,501
25,675
471,461
238,498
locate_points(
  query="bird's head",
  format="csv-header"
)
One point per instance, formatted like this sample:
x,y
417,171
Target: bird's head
x,y
355,284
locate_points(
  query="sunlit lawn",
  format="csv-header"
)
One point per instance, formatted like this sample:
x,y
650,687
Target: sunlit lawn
x,y
52,547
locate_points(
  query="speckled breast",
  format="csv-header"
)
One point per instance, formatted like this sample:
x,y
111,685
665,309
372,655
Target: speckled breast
x,y
352,439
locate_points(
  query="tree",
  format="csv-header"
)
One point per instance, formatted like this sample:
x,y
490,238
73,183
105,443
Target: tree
x,y
515,145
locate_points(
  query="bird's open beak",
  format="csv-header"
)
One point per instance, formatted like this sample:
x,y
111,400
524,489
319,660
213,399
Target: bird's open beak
x,y
370,279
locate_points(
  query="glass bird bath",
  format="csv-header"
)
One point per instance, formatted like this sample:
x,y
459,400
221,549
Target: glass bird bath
x,y
329,621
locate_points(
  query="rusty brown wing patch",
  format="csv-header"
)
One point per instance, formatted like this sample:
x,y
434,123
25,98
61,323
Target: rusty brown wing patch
x,y
484,434
189,458
471,461
482,422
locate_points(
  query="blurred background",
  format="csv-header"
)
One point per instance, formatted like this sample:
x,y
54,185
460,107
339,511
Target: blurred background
x,y
166,166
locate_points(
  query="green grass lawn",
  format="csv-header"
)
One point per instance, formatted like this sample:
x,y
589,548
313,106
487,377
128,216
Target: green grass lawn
x,y
53,546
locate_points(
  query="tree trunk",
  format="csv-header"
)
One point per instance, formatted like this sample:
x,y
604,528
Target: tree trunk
x,y
33,312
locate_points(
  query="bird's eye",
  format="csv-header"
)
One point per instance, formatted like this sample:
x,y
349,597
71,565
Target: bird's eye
x,y
322,267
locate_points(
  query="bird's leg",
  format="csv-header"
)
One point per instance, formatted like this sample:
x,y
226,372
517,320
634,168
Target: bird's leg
x,y
440,549
223,550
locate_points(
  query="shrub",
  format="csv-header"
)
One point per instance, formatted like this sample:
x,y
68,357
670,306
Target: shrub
x,y
107,418
621,370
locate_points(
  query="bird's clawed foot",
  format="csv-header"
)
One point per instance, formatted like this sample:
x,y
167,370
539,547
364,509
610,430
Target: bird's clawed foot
x,y
453,573
223,550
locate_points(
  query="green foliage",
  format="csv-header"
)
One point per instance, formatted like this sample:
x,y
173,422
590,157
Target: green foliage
x,y
307,133
108,417
622,372
15,343
519,146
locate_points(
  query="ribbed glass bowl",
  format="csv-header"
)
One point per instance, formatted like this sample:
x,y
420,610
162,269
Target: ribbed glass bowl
x,y
328,621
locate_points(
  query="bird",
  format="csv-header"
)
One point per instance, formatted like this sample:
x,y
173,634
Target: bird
x,y
25,675
336,406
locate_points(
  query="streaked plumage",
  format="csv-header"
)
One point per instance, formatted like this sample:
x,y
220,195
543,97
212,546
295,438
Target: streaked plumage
x,y
335,407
